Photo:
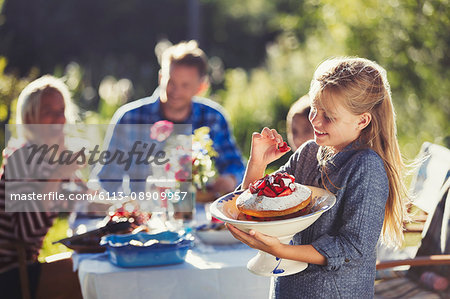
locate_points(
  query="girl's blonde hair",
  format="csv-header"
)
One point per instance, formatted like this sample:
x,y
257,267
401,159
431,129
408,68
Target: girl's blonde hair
x,y
363,86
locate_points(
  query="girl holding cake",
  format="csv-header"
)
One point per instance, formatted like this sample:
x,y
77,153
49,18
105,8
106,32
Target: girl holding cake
x,y
355,155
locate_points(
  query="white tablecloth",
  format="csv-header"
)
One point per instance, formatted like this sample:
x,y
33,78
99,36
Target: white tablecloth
x,y
209,272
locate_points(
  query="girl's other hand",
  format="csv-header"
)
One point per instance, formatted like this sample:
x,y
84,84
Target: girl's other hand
x,y
257,240
267,146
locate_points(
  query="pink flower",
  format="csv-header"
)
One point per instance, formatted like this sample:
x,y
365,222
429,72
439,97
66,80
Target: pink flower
x,y
182,175
167,167
185,160
161,130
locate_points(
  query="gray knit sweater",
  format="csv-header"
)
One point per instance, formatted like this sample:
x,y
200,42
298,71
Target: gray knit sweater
x,y
346,234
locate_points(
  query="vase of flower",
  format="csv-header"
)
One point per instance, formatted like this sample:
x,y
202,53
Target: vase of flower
x,y
190,165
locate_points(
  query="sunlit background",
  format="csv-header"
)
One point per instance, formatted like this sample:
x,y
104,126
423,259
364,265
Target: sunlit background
x,y
262,55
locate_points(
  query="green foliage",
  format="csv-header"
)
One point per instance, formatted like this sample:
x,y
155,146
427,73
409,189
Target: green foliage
x,y
57,232
410,39
262,97
269,50
10,88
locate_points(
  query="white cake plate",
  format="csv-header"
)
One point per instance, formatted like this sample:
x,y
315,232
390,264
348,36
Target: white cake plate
x,y
265,264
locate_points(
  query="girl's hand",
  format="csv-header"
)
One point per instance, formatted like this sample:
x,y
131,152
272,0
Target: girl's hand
x,y
267,146
257,240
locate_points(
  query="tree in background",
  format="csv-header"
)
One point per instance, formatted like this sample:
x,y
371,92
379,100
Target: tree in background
x,y
117,38
409,39
269,50
10,88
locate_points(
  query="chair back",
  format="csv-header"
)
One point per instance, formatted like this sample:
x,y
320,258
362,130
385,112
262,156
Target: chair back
x,y
431,175
435,236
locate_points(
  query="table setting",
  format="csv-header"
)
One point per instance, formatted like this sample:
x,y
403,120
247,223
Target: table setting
x,y
169,245
168,263
197,259
264,264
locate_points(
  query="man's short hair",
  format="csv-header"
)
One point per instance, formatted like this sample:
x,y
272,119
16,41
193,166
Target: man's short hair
x,y
187,54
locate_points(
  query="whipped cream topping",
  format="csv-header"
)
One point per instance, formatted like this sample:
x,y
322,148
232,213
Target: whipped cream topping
x,y
263,203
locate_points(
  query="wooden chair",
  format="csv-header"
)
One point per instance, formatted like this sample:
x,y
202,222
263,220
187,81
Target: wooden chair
x,y
22,259
433,252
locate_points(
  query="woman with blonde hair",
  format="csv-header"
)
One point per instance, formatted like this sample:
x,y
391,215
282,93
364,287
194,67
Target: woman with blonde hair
x,y
45,101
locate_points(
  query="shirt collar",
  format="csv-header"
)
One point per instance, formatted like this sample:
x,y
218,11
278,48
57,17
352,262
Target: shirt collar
x,y
339,159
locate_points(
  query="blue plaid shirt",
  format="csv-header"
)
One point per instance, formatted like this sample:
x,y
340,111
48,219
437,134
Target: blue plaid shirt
x,y
147,111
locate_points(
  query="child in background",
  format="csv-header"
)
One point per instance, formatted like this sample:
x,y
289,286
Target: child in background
x,y
298,127
355,155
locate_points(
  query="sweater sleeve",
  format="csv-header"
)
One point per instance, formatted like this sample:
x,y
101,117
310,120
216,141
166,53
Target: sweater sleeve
x,y
304,156
23,178
361,219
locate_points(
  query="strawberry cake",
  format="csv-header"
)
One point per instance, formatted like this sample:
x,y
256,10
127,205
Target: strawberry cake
x,y
274,195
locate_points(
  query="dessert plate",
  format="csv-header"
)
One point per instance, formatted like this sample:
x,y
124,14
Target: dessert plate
x,y
263,263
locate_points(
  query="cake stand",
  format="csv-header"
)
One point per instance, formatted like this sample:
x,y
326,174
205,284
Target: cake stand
x,y
265,264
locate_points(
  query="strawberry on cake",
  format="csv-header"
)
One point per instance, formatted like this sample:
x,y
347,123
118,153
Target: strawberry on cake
x,y
274,195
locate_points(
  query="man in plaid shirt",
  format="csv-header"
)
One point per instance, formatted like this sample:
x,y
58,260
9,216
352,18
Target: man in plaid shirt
x,y
182,76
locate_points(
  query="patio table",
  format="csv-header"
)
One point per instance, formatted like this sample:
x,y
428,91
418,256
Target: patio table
x,y
209,271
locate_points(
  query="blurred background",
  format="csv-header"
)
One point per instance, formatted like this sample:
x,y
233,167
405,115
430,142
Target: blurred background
x,y
262,54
